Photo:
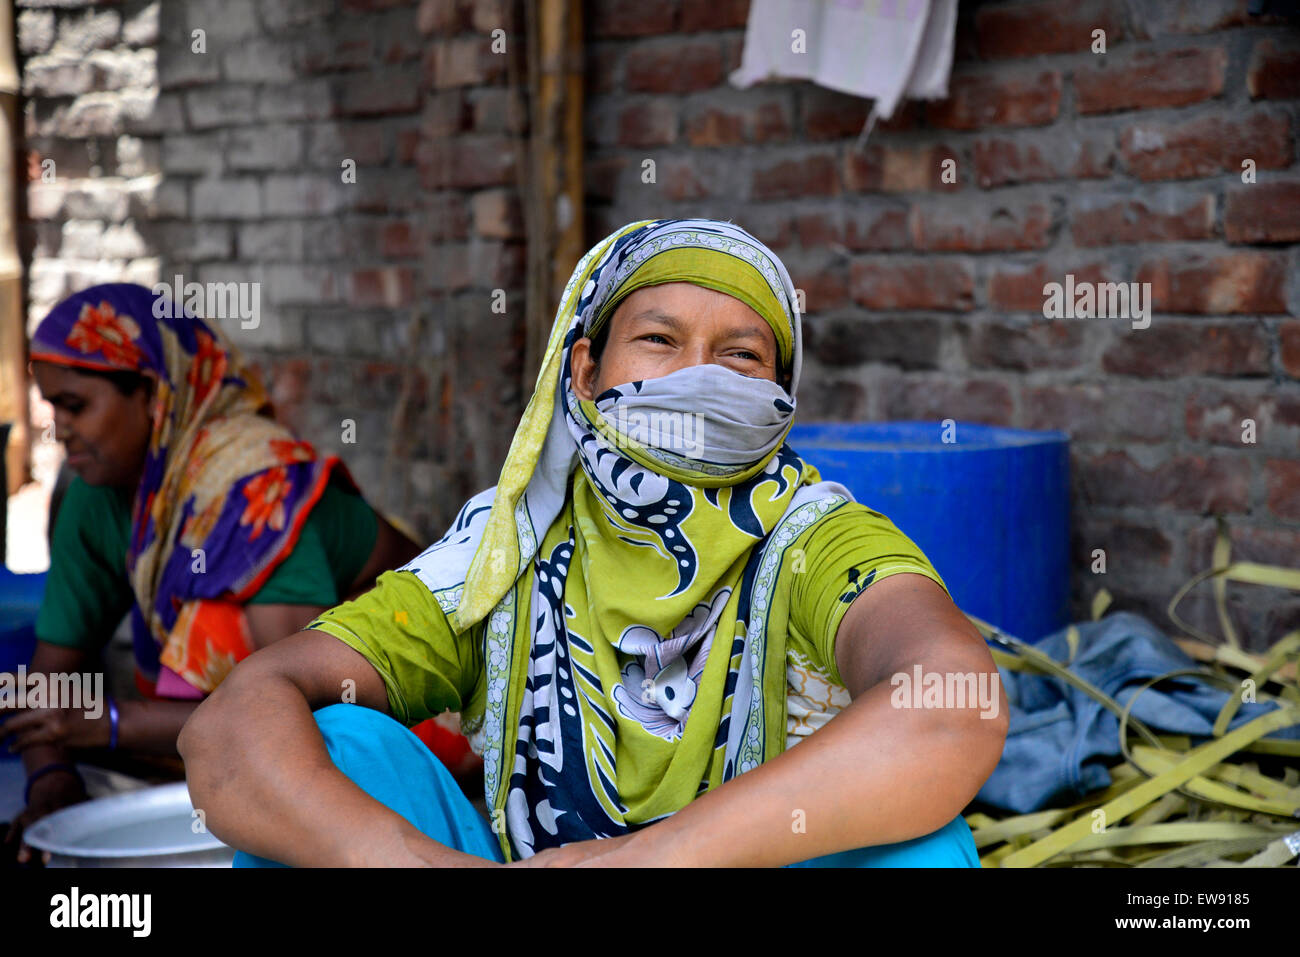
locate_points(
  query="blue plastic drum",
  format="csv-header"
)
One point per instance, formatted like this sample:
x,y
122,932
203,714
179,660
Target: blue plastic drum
x,y
20,600
989,506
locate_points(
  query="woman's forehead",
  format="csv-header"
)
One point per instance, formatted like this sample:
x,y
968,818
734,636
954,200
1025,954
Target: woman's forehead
x,y
685,300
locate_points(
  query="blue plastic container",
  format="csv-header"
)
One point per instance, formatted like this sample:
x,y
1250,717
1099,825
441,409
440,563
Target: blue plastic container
x,y
990,508
20,600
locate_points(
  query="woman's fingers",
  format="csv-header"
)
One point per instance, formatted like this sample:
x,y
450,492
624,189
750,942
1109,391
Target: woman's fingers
x,y
41,732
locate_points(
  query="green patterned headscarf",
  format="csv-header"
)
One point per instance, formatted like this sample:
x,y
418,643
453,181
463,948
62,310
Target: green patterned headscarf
x,y
623,568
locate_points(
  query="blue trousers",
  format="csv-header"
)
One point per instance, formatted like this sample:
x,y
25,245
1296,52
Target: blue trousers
x,y
394,767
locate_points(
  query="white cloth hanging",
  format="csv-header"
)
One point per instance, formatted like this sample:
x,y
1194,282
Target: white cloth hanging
x,y
882,49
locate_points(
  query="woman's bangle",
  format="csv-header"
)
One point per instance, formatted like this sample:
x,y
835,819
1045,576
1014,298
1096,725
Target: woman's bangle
x,y
44,770
113,718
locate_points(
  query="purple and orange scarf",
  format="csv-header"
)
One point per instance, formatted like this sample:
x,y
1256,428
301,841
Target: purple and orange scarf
x,y
225,490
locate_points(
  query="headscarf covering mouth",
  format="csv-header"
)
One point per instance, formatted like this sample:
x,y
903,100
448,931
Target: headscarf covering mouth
x,y
646,252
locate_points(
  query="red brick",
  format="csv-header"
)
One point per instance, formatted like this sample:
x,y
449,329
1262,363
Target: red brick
x,y
1215,414
826,399
1038,157
467,162
929,283
1039,345
911,343
1263,213
463,61
603,71
908,115
446,217
389,286
1171,349
730,124
498,109
377,92
1274,72
713,126
1102,220
1020,289
895,169
857,228
1096,413
874,229
408,142
1129,546
1194,483
994,226
825,287
632,18
814,175
1249,543
972,400
771,226
600,175
648,123
832,115
1288,335
683,178
1150,80
1194,16
497,214
400,240
1206,145
1253,282
441,17
444,114
369,6
700,15
1283,477
679,67
1055,26
976,101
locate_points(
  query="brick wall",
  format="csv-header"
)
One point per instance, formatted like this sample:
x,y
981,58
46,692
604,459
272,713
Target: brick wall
x,y
227,164
925,298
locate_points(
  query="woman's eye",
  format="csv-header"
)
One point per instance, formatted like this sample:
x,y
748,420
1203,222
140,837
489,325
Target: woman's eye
x,y
655,335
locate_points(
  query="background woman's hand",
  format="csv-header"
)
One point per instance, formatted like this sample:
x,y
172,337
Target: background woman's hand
x,y
50,792
63,727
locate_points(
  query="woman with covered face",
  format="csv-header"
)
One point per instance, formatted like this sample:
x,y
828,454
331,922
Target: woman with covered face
x,y
671,641
191,509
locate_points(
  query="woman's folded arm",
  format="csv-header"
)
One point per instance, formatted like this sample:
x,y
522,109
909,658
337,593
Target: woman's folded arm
x,y
258,768
882,771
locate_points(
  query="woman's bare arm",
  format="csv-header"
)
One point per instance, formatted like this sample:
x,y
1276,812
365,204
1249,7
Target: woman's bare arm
x,y
875,773
258,768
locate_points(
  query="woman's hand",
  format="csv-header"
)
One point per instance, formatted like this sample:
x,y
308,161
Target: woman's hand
x,y
63,727
621,851
50,792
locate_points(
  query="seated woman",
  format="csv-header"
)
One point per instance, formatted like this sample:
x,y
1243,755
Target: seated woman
x,y
672,642
191,508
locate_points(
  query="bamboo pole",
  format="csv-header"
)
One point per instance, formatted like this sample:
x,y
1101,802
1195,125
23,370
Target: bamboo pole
x,y
552,199
13,339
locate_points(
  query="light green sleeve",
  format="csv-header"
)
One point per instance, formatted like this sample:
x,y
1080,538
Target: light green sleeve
x,y
843,554
399,628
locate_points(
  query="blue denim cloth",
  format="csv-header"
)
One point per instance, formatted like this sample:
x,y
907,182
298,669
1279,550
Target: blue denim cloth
x,y
394,767
1060,741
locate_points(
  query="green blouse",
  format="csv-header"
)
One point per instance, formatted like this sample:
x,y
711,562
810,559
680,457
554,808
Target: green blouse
x,y
87,591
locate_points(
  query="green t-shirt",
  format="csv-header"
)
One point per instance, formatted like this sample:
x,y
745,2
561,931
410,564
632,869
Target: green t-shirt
x,y
87,591
427,669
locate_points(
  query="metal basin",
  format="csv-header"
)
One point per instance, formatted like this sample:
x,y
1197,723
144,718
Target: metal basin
x,y
150,827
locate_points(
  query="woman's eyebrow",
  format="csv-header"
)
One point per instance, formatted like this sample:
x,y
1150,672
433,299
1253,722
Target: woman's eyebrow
x,y
676,324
